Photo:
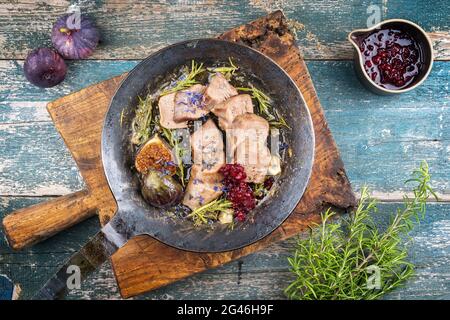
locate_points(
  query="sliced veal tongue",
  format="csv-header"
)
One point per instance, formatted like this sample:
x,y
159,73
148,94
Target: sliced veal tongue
x,y
189,104
231,108
218,90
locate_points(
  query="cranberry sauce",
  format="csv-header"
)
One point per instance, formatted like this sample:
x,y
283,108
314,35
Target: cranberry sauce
x,y
238,191
391,58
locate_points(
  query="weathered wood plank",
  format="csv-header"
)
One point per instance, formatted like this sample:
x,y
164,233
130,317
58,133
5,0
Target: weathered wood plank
x,y
260,275
20,101
398,144
133,29
34,161
380,138
324,25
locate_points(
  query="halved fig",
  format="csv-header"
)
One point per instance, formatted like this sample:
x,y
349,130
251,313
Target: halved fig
x,y
156,155
160,190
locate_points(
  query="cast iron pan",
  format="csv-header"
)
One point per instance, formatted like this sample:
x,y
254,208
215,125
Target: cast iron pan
x,y
141,218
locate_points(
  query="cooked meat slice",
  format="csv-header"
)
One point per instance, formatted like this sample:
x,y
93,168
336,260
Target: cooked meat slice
x,y
218,90
252,121
207,147
205,182
228,110
189,104
256,169
166,106
249,124
203,187
249,145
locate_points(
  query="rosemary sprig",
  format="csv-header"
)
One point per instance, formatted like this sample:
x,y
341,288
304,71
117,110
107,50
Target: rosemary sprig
x,y
186,81
178,152
228,72
209,211
335,262
142,122
279,123
264,107
264,102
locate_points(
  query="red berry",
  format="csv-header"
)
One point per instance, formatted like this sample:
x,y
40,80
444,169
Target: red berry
x,y
239,192
374,76
240,216
376,59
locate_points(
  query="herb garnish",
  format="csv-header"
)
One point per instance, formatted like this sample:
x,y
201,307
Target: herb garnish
x,y
142,122
186,81
333,262
264,107
264,102
209,211
178,152
228,72
279,123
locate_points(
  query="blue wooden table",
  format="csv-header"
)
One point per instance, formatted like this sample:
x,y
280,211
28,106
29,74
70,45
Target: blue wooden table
x,y
381,139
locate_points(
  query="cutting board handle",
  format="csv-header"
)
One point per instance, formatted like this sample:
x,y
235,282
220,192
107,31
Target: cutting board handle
x,y
30,225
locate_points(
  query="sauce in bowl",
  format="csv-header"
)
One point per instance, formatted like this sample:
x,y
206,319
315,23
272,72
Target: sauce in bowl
x,y
392,58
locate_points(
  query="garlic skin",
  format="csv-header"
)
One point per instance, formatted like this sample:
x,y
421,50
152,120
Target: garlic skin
x,y
274,166
226,217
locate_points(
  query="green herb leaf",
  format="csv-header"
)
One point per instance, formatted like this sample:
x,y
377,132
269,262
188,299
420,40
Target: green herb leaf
x,y
122,115
186,81
142,123
335,261
280,123
259,190
228,72
209,211
265,107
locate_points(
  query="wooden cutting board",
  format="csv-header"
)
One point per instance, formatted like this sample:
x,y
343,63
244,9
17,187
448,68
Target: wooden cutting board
x,y
143,263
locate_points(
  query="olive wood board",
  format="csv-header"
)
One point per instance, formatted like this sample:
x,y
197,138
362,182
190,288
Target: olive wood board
x,y
144,263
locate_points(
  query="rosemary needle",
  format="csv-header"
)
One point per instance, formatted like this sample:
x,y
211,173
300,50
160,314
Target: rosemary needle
x,y
227,71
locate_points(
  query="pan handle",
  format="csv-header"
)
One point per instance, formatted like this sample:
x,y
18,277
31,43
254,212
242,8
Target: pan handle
x,y
80,265
28,226
93,254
